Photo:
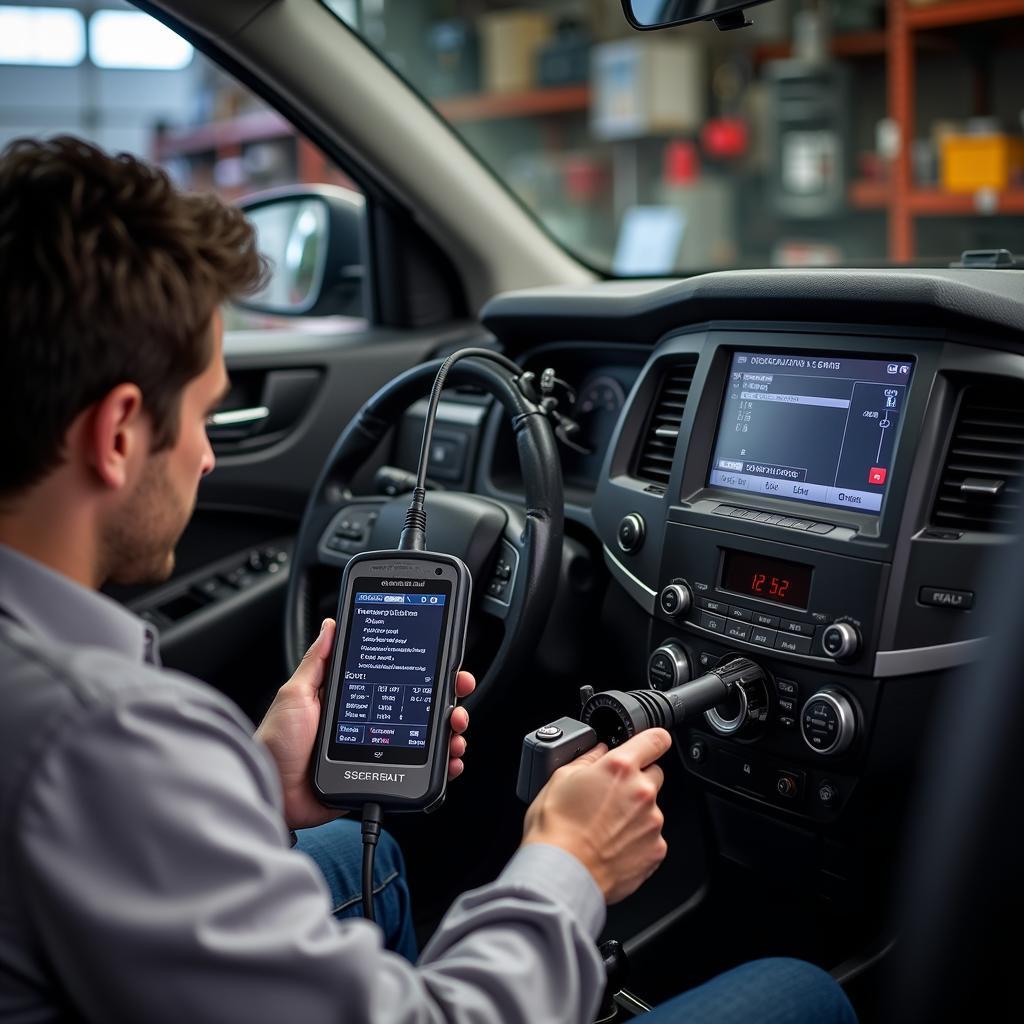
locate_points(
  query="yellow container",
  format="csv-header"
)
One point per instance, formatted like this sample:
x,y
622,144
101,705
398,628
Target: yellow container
x,y
972,162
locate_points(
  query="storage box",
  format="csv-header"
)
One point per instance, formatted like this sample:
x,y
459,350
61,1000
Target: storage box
x,y
646,87
972,162
509,44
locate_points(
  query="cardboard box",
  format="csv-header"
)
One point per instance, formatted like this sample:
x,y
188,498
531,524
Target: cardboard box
x,y
647,86
509,44
972,162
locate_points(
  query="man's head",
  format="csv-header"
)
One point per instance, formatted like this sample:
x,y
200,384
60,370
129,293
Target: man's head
x,y
110,341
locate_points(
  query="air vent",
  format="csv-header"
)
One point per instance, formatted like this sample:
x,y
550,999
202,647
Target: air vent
x,y
981,480
654,461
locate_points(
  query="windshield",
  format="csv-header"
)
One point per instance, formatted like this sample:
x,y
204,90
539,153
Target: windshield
x,y
795,142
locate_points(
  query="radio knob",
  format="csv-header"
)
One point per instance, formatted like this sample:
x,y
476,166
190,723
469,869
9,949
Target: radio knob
x,y
828,723
667,667
840,640
676,599
631,532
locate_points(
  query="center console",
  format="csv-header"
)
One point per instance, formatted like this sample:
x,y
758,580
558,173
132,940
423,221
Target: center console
x,y
772,494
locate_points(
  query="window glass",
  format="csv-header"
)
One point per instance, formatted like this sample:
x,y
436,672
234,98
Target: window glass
x,y
132,85
806,139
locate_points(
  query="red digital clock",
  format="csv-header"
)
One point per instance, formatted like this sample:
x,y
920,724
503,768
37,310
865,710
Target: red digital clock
x,y
769,579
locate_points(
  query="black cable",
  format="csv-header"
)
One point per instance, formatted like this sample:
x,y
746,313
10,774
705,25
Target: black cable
x,y
414,533
372,815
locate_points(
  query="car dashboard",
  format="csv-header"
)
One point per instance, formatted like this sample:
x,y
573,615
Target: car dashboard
x,y
813,470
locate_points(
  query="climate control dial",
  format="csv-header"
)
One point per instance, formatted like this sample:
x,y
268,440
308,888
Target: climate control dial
x,y
828,723
667,667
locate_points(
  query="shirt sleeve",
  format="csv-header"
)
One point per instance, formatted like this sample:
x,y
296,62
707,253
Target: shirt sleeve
x,y
160,887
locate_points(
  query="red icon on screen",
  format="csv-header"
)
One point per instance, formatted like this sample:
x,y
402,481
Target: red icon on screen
x,y
877,475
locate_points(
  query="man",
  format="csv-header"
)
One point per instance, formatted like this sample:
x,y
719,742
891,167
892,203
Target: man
x,y
145,865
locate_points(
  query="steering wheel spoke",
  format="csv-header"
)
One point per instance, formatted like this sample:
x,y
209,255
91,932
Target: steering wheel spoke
x,y
498,591
349,531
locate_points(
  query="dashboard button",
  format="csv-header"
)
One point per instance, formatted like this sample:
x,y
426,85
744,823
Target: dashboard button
x,y
698,752
772,520
717,607
798,628
743,614
787,705
787,688
801,524
786,722
716,623
764,517
762,636
792,644
737,630
750,514
785,521
941,597
725,510
821,528
707,660
768,621
738,513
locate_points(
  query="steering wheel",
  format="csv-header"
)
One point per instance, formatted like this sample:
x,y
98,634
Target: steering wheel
x,y
513,553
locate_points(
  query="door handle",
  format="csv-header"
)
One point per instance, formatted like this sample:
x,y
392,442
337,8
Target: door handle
x,y
236,423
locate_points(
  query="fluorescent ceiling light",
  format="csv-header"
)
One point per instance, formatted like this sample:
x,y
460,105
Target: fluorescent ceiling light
x,y
41,35
131,39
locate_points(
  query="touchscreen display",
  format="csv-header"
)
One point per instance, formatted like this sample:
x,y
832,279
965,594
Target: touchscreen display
x,y
820,429
389,671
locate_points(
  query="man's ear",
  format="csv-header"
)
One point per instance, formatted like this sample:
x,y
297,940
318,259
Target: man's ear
x,y
116,434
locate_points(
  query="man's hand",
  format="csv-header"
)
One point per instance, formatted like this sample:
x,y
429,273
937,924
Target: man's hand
x,y
289,732
602,809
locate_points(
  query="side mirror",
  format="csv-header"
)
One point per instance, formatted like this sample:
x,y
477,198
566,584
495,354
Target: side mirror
x,y
314,238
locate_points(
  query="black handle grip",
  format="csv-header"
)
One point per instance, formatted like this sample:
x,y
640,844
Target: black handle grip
x,y
545,750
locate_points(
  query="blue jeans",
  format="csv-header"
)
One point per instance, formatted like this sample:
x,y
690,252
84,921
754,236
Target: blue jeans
x,y
337,850
766,991
776,991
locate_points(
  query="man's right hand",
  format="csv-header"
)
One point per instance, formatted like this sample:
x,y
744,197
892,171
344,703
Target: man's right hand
x,y
602,808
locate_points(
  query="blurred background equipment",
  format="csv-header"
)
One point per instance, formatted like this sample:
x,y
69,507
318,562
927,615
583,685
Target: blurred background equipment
x,y
849,131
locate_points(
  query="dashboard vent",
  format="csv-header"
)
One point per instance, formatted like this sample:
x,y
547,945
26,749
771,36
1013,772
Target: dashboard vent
x,y
654,461
981,479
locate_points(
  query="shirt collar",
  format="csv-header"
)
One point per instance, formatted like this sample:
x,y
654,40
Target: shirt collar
x,y
60,610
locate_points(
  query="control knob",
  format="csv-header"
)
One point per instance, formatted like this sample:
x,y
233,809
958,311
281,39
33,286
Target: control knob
x,y
828,723
631,532
841,640
746,706
668,667
676,599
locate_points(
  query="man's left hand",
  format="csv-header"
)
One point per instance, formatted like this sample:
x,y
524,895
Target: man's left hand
x,y
289,728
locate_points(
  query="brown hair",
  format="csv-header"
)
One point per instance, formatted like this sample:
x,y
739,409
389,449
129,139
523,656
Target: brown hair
x,y
108,275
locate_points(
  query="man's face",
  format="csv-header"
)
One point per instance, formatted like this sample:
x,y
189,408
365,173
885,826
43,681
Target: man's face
x,y
140,539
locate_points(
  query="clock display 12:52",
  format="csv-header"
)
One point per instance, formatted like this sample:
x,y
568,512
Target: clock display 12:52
x,y
768,579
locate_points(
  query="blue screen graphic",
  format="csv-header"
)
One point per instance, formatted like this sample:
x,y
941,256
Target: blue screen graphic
x,y
389,674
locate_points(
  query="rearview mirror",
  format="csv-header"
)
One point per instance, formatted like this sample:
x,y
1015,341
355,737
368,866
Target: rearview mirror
x,y
651,14
313,237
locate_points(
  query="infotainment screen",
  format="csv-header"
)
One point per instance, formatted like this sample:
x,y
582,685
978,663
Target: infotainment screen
x,y
819,429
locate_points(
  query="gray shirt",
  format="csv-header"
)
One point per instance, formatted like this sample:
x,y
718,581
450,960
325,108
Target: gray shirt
x,y
145,870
